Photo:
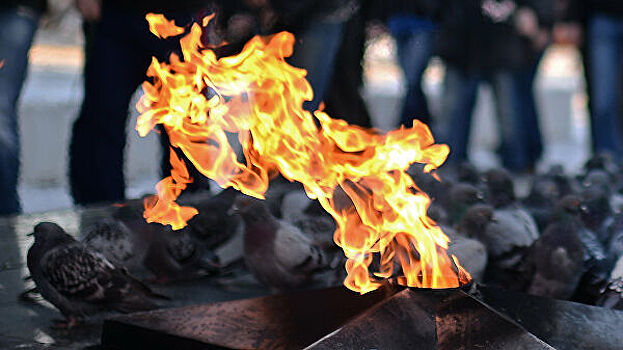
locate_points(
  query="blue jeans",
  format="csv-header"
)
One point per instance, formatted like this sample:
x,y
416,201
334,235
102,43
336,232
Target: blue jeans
x,y
315,51
414,41
605,38
16,33
460,92
525,105
119,51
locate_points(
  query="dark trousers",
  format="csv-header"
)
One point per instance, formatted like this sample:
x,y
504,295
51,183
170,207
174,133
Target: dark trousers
x,y
119,52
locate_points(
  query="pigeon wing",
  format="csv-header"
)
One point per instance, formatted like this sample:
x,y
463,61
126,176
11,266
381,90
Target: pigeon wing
x,y
295,251
81,274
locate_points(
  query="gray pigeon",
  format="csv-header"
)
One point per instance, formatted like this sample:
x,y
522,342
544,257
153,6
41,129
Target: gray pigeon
x,y
542,198
472,255
612,295
78,280
461,197
507,234
277,253
116,242
555,263
175,255
300,211
212,226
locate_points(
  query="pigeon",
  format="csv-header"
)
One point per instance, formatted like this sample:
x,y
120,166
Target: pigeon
x,y
566,184
277,253
602,181
277,189
555,262
429,182
612,294
500,188
302,212
79,281
468,173
460,197
177,255
507,234
169,255
472,255
602,161
212,226
596,213
615,246
116,242
512,225
541,200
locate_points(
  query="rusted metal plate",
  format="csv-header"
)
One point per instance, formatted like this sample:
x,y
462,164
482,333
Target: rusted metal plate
x,y
562,324
465,323
396,323
430,320
289,321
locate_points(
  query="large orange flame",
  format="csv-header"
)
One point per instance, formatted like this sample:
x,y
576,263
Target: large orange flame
x,y
259,97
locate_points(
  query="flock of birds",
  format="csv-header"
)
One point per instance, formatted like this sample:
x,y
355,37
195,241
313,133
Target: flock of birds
x,y
563,240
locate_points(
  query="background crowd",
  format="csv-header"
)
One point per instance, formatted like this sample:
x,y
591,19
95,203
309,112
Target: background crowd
x,y
479,41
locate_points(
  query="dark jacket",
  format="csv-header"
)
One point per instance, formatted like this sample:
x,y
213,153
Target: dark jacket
x,y
580,10
473,41
384,9
37,5
610,7
161,6
295,15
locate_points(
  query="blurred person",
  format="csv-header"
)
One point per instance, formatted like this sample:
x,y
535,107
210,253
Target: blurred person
x,y
412,23
319,28
120,48
344,100
604,42
19,19
534,29
595,28
481,41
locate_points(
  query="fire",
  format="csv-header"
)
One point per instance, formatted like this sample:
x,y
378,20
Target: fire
x,y
358,175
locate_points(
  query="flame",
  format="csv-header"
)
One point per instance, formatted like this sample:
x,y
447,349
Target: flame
x,y
162,207
358,175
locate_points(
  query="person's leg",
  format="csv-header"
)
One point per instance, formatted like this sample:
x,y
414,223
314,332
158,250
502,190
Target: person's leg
x,y
512,148
343,98
525,105
414,51
315,50
16,34
460,92
113,70
604,40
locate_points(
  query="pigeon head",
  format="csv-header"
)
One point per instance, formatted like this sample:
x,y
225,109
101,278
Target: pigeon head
x,y
568,206
602,160
251,209
468,173
544,191
594,207
500,187
598,178
464,193
50,233
476,219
